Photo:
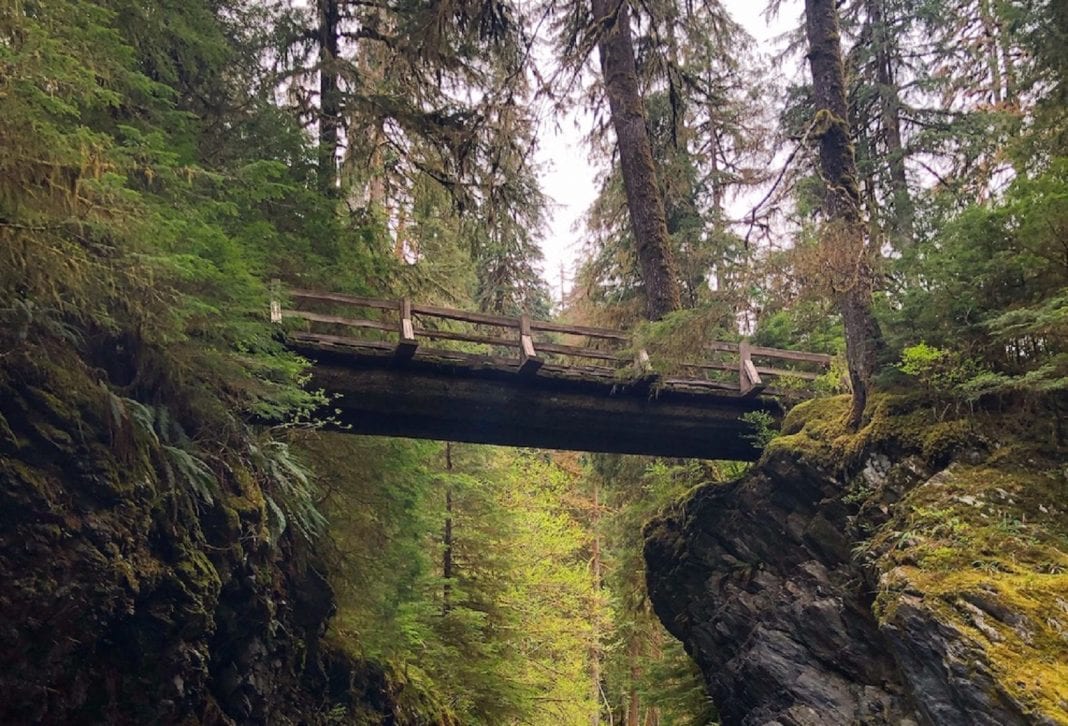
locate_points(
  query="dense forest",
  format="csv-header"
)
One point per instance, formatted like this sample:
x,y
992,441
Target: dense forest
x,y
187,537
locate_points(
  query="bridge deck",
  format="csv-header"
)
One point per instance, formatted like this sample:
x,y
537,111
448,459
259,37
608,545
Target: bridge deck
x,y
518,382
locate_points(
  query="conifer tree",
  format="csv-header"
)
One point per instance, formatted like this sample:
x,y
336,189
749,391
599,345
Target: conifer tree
x,y
637,167
849,256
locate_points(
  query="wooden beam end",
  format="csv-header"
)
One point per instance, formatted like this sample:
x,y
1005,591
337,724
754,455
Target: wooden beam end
x,y
405,349
530,365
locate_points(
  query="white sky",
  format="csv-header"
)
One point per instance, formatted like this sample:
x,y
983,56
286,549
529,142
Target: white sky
x,y
569,178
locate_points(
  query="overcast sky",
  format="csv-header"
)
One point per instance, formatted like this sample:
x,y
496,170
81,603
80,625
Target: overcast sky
x,y
569,178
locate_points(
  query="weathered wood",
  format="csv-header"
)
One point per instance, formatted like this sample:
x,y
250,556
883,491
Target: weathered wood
x,y
339,320
749,381
711,366
806,375
276,300
529,362
696,384
759,350
365,302
339,341
530,358
406,343
466,337
607,334
423,401
642,363
821,358
756,384
464,316
578,351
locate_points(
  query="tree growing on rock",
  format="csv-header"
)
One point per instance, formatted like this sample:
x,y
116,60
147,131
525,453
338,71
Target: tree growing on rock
x,y
847,258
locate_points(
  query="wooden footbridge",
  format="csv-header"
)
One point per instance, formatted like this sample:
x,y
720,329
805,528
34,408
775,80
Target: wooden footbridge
x,y
397,368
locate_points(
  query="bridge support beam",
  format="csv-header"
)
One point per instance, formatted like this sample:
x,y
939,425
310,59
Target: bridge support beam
x,y
415,400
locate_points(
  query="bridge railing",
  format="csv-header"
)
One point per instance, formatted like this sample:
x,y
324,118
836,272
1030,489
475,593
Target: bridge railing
x,y
404,329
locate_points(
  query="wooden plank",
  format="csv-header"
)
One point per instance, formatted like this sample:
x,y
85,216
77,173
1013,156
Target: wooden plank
x,y
642,363
756,384
576,350
749,382
529,362
690,383
406,343
541,325
464,316
797,355
466,337
276,300
601,373
724,347
544,325
711,366
782,353
806,375
468,360
340,340
437,404
367,302
338,320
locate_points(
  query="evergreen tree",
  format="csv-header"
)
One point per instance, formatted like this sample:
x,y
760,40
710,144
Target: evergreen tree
x,y
847,254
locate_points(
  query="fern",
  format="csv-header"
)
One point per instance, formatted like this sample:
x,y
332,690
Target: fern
x,y
193,471
293,497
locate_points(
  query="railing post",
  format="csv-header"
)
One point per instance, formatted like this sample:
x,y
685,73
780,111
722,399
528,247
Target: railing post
x,y
276,303
529,362
406,344
749,382
642,363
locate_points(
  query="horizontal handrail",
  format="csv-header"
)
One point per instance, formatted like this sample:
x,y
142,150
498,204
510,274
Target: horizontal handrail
x,y
365,302
400,322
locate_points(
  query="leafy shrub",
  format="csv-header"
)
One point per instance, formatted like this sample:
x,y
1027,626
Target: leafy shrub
x,y
943,373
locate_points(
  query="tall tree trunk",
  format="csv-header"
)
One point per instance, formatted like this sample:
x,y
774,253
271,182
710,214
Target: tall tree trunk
x,y
647,218
903,223
400,246
329,95
446,556
655,653
990,32
596,568
633,702
853,277
1005,44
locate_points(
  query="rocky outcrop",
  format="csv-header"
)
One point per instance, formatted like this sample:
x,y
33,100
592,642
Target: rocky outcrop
x,y
125,598
826,590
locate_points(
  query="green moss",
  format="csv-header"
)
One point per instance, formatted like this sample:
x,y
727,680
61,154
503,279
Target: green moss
x,y
198,572
940,441
993,533
246,501
817,431
997,536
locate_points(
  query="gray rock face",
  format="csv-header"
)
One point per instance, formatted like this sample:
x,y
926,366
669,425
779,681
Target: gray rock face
x,y
946,672
757,579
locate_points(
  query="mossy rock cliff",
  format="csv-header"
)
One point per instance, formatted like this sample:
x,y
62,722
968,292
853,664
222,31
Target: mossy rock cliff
x,y
128,596
915,571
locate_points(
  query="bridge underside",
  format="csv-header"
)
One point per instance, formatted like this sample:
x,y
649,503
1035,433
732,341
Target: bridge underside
x,y
452,398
